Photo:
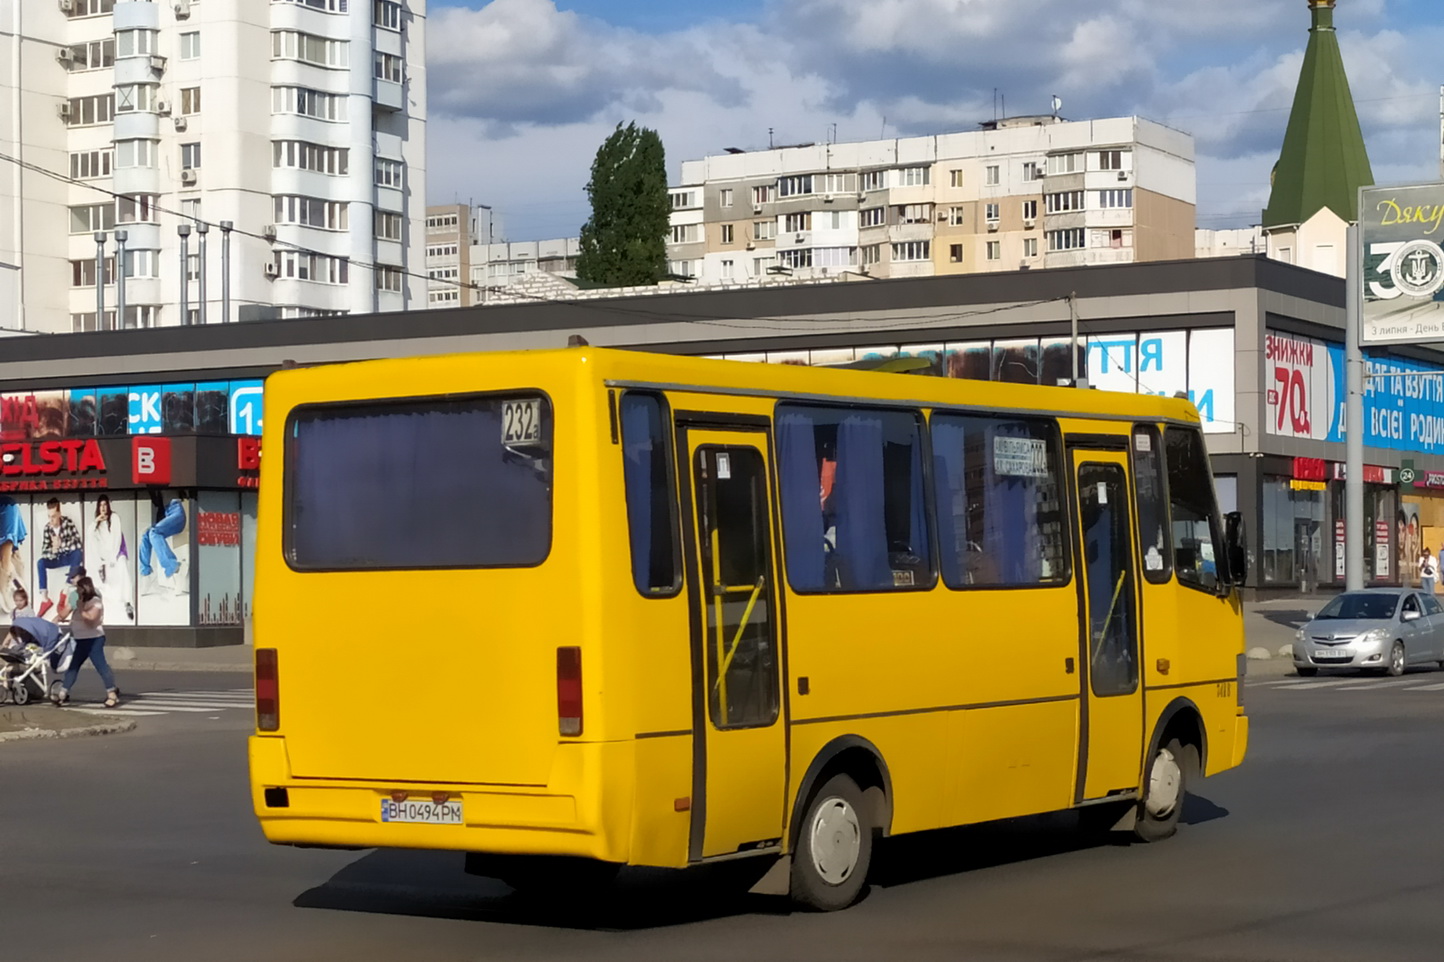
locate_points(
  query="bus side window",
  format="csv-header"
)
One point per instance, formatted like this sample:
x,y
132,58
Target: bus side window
x,y
1152,504
651,516
1197,534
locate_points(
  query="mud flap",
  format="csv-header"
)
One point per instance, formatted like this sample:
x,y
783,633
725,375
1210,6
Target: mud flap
x,y
777,880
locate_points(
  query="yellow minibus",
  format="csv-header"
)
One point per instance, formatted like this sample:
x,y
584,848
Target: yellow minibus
x,y
675,610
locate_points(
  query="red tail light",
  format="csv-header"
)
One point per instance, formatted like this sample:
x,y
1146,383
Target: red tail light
x,y
268,691
569,691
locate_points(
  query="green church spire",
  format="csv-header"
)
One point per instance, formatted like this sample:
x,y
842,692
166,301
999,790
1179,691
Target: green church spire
x,y
1323,162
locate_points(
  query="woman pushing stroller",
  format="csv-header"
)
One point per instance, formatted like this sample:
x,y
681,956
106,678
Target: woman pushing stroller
x,y
87,628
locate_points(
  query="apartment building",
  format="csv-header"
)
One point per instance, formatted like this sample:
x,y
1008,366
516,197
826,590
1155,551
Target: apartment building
x,y
466,267
1027,192
298,123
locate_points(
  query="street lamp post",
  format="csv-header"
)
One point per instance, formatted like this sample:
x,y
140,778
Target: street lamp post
x,y
120,239
202,229
100,280
226,227
184,230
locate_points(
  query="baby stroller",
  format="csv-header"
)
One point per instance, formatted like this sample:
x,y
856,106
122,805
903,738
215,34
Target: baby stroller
x,y
30,653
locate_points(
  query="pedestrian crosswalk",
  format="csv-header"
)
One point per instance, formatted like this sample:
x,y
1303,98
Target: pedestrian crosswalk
x,y
1425,681
175,703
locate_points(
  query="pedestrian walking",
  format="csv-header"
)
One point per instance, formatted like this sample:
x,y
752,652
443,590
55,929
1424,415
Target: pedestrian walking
x,y
1428,572
87,628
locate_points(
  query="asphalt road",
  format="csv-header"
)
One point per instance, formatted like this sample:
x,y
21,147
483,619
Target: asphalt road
x,y
1325,846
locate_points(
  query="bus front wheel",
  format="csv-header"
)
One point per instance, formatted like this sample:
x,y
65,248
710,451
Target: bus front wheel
x,y
834,848
1164,792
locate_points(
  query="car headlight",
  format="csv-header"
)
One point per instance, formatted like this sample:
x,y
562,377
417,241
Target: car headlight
x,y
1299,635
1375,636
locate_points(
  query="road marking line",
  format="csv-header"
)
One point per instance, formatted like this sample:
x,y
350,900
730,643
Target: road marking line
x,y
1301,685
188,705
1378,684
1426,688
199,694
161,709
114,711
193,699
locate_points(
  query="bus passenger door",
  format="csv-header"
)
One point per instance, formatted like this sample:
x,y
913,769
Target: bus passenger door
x,y
1112,747
740,749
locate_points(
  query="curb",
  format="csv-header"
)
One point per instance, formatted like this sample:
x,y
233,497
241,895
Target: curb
x,y
163,666
103,728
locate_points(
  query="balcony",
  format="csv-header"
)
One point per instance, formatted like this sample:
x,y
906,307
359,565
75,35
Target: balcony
x,y
389,95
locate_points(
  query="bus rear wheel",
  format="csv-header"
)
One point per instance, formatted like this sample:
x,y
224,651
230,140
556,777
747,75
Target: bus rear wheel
x,y
834,848
1164,792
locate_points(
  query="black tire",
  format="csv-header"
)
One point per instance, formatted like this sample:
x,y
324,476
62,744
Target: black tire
x,y
834,848
1164,788
20,693
1398,660
1304,671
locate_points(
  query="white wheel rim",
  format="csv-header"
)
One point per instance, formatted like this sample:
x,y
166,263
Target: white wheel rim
x,y
1396,658
1165,781
835,841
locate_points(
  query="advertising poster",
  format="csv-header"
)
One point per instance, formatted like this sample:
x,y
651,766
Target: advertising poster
x,y
1210,378
1410,541
1112,362
212,408
971,360
1016,361
163,536
1305,388
1058,361
218,551
110,553
249,501
16,526
58,552
1403,289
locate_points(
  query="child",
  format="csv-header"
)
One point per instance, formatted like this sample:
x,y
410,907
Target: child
x,y
22,605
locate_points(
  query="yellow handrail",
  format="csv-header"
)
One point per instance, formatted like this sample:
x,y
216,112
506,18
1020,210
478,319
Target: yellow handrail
x,y
741,626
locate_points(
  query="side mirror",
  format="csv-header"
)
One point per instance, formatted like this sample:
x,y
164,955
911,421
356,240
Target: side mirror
x,y
1409,616
1234,548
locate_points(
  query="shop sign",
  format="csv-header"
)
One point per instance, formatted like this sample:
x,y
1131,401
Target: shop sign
x,y
1311,469
150,460
1297,485
1381,549
218,529
248,462
1430,479
1400,230
1339,555
35,466
1373,473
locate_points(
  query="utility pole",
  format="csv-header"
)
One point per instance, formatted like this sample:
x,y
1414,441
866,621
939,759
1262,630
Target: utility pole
x,y
202,229
100,280
120,239
226,227
1073,327
184,230
1354,422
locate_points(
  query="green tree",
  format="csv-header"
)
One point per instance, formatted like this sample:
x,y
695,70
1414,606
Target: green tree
x,y
625,240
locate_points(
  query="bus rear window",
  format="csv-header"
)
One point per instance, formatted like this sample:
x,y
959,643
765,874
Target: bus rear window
x,y
429,483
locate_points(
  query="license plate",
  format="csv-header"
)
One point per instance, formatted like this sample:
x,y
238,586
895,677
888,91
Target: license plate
x,y
421,811
1333,655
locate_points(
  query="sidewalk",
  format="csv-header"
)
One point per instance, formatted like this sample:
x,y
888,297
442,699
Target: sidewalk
x,y
237,658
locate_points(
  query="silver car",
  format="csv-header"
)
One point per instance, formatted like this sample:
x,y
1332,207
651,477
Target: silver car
x,y
1384,629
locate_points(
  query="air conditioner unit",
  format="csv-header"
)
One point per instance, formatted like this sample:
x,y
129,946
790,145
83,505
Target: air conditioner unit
x,y
1029,223
751,246
64,110
66,6
157,63
269,232
182,10
827,198
1123,175
273,269
756,208
181,123
188,176
801,238
992,226
65,55
163,108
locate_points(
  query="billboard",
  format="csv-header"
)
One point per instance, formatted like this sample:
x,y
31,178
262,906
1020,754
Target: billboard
x,y
1402,288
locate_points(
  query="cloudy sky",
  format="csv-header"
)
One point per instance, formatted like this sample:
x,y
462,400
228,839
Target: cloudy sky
x,y
523,91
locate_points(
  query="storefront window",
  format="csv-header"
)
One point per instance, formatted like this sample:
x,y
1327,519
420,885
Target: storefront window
x,y
1294,529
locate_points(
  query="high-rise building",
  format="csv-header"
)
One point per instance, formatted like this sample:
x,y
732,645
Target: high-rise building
x,y
450,234
302,123
466,264
1323,161
1026,192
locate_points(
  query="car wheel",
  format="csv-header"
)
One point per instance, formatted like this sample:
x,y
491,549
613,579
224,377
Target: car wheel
x,y
1396,659
1305,671
834,848
1164,792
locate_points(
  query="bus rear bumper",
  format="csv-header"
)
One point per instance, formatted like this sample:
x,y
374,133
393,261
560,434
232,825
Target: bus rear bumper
x,y
347,814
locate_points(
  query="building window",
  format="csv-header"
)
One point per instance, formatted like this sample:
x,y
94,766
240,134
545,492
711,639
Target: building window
x,y
308,48
955,253
1110,159
956,178
1066,240
1030,210
1115,238
135,153
388,67
794,186
387,225
142,263
1065,163
91,217
992,175
313,212
190,45
912,251
85,111
301,155
681,199
995,250
765,194
1068,200
190,101
82,323
190,156
680,269
89,8
137,209
795,257
872,217
1032,170
915,176
1030,247
190,208
834,256
1118,199
726,233
796,223
388,279
915,214
956,216
683,233
386,14
991,212
835,183
88,164
129,97
764,230
135,43
312,267
727,270
390,173
308,103
874,180
872,254
93,56
82,273
726,197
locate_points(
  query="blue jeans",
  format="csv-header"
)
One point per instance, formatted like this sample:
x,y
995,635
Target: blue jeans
x,y
157,538
93,649
66,559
